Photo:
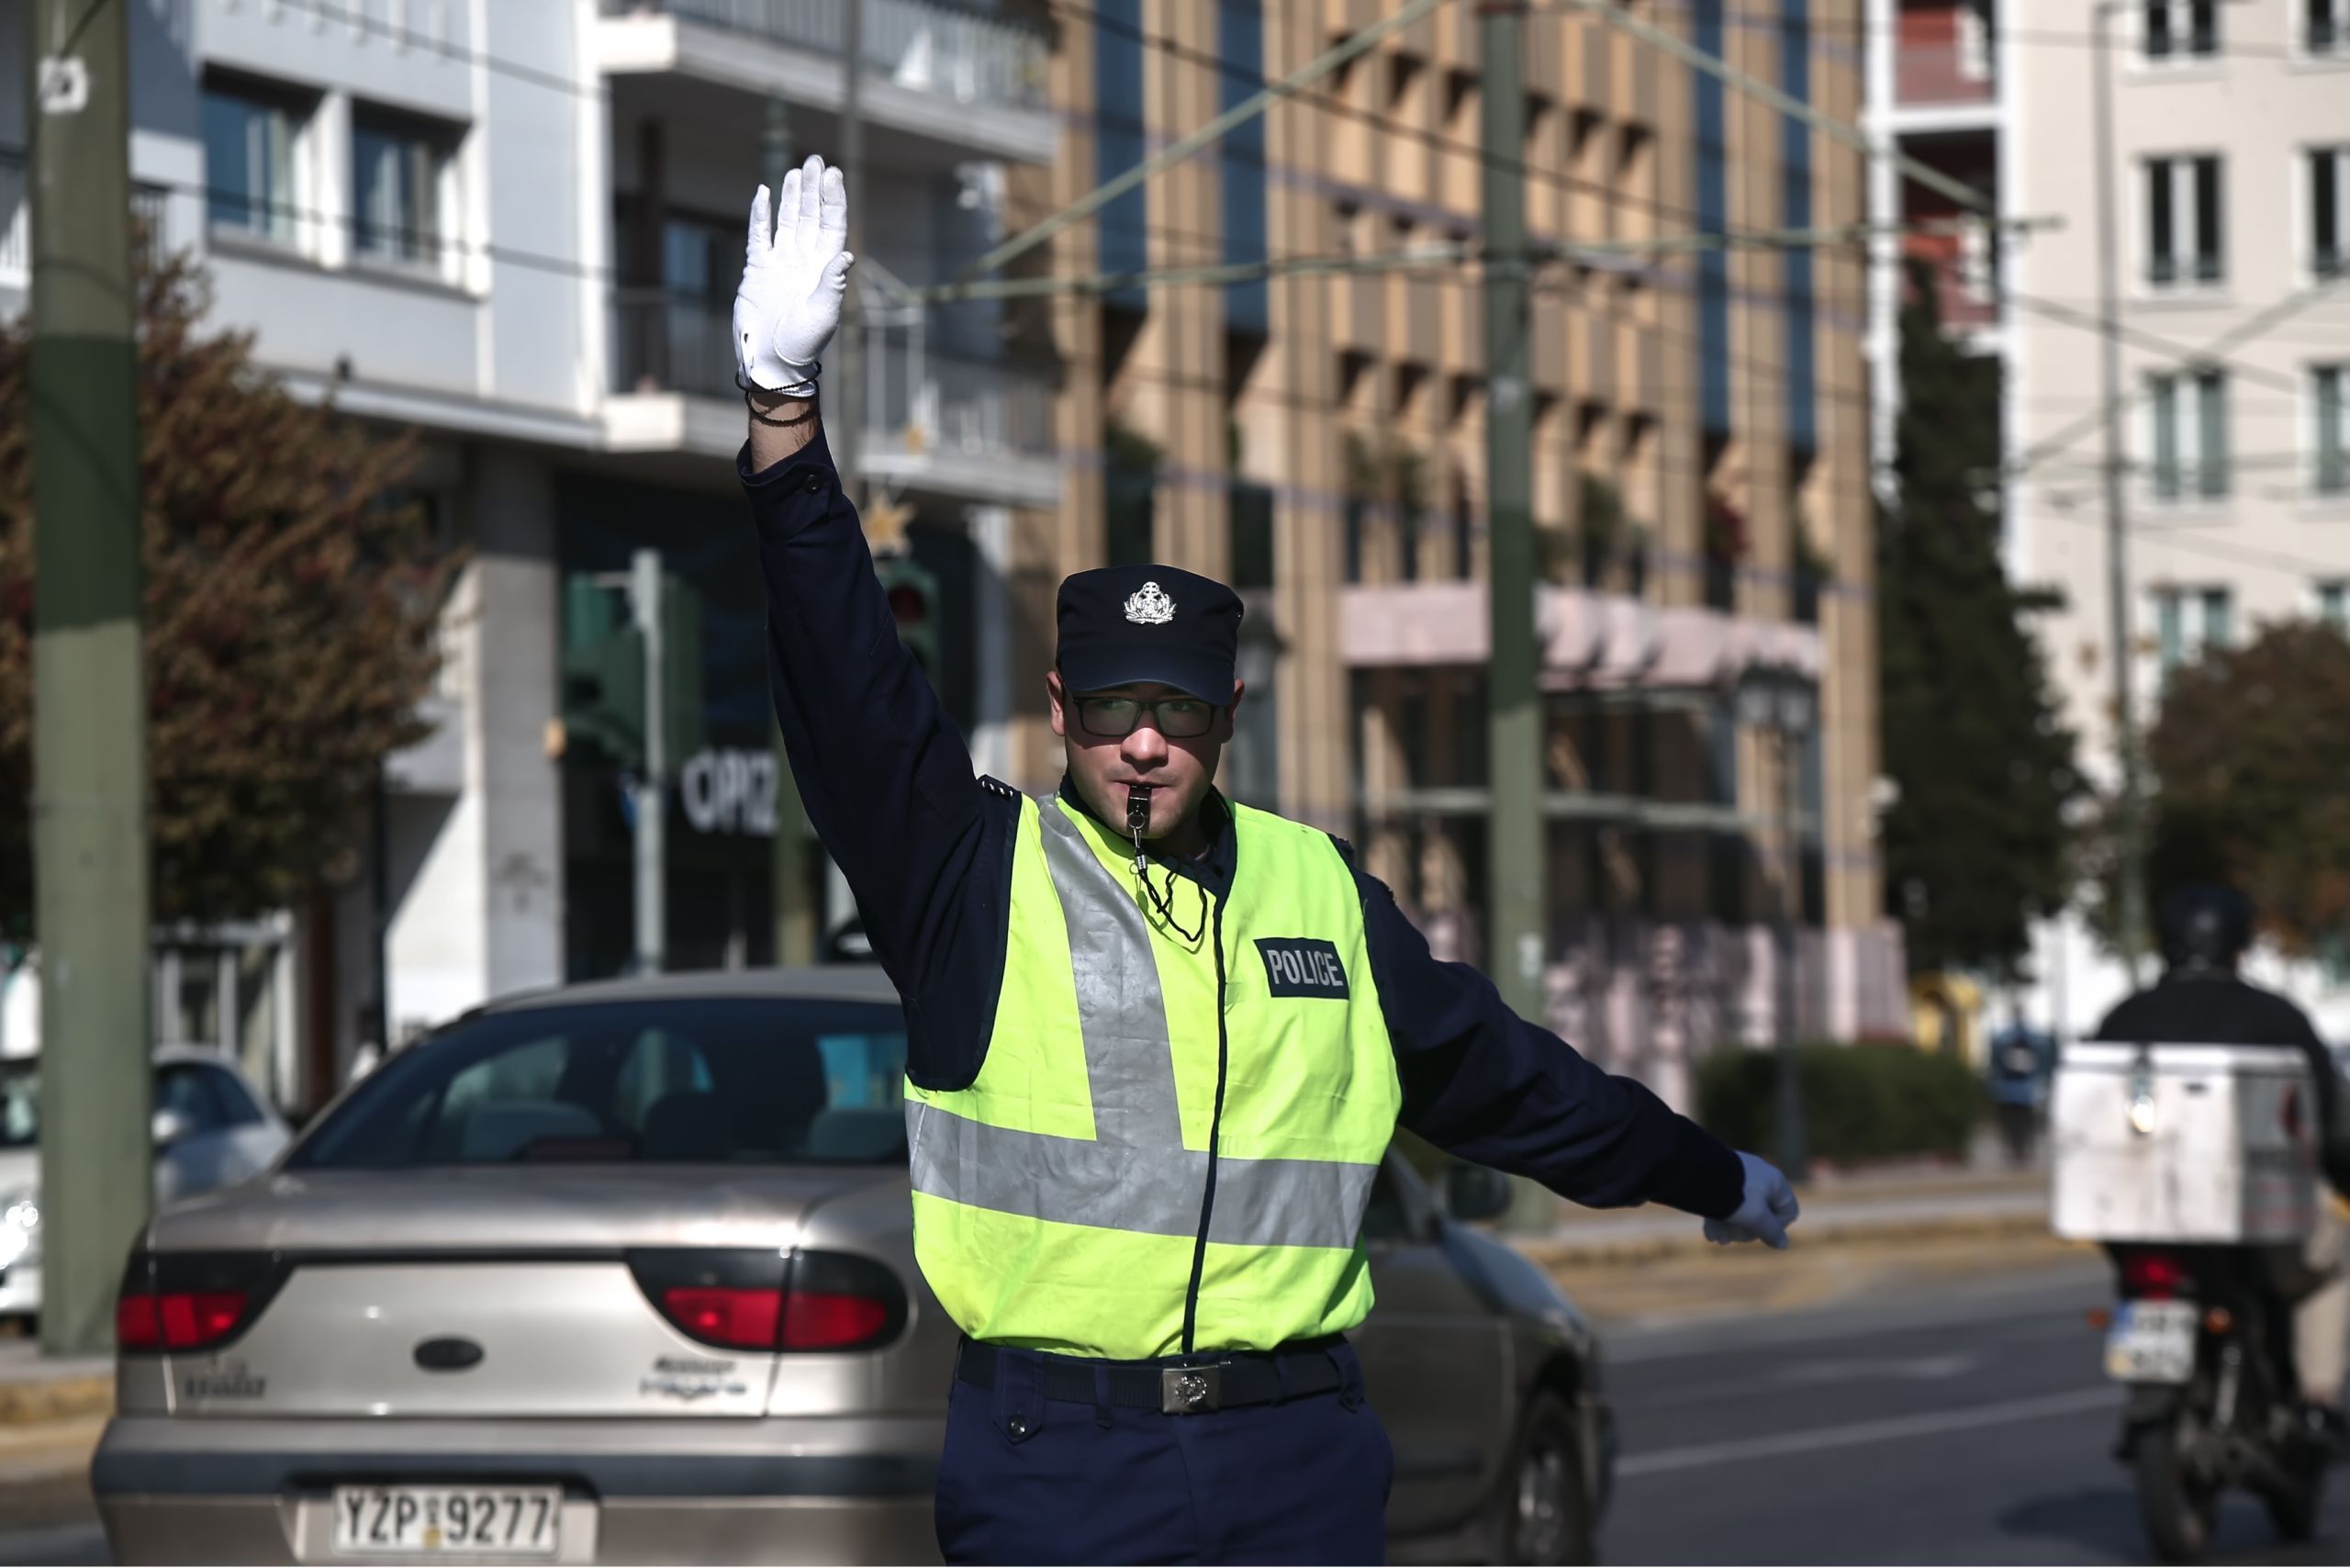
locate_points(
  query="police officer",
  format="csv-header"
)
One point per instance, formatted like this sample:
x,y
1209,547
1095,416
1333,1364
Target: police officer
x,y
2205,929
1157,1040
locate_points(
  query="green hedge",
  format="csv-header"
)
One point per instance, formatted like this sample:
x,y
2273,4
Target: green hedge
x,y
1889,1102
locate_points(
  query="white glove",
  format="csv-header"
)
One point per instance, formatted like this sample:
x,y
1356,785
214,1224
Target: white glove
x,y
1768,1208
789,304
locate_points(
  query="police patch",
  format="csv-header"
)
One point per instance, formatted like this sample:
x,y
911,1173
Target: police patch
x,y
1302,966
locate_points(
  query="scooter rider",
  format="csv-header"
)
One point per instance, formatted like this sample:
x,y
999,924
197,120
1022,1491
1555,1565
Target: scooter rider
x,y
2202,1000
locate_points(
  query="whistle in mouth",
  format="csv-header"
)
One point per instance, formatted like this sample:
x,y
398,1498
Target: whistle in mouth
x,y
1137,809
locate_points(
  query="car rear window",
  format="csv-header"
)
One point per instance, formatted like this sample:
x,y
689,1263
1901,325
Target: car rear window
x,y
703,1081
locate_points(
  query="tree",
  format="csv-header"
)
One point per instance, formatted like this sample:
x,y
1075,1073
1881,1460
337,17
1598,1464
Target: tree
x,y
1975,845
291,599
2247,758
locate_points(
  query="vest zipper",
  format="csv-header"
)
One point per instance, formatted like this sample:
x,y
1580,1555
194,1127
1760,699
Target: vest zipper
x,y
1216,1134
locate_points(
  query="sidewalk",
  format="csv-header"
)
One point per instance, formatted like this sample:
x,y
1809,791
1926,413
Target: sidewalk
x,y
1854,1208
51,1415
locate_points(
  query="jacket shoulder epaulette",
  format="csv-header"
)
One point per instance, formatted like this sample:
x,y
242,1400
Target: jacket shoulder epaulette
x,y
998,788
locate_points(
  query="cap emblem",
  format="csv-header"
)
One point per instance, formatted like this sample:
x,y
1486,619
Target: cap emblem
x,y
1149,606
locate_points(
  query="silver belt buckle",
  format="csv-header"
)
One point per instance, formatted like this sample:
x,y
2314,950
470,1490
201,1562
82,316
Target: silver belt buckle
x,y
1191,1391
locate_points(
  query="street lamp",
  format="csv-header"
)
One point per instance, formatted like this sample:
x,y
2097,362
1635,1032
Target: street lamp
x,y
1786,703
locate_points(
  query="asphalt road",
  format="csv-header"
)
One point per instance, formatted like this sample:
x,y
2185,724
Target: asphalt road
x,y
1971,1427
1975,1427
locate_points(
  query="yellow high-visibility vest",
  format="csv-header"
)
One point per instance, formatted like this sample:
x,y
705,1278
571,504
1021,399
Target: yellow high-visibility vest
x,y
1172,1137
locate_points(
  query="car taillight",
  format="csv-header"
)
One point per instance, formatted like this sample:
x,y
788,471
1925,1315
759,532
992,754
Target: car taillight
x,y
2153,1276
190,1300
738,1319
839,1302
813,1320
745,1299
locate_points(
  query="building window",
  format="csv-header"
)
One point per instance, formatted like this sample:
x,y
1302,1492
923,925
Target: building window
x,y
2334,605
397,166
2182,30
2325,25
2189,620
2328,386
2189,415
2183,210
2329,199
250,170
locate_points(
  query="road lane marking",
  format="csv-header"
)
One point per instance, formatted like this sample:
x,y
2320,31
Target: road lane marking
x,y
1927,1424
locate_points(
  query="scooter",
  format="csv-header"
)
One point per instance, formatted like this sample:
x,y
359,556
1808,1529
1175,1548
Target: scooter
x,y
2204,1339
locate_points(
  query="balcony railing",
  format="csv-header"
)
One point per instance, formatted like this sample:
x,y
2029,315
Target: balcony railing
x,y
917,403
148,206
930,48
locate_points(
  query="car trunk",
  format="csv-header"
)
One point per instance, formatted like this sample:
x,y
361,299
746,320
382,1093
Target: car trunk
x,y
550,1291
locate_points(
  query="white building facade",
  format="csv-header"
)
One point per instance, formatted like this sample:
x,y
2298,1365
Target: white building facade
x,y
2231,180
514,228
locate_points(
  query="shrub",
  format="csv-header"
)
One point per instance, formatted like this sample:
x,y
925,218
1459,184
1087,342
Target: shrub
x,y
1869,1102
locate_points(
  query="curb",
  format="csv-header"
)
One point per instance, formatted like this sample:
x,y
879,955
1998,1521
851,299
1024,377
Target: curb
x,y
1814,1232
75,1396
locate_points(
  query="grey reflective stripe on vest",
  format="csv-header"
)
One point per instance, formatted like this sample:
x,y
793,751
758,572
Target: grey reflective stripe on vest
x,y
1135,1175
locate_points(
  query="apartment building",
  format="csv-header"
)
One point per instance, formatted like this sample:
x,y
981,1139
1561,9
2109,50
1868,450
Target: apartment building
x,y
515,229
2230,176
1701,478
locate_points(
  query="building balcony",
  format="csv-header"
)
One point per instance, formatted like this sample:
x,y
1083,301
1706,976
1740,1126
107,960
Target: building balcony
x,y
938,424
1942,75
149,210
1586,639
955,83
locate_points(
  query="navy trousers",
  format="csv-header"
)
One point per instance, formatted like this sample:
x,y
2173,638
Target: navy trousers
x,y
1026,1478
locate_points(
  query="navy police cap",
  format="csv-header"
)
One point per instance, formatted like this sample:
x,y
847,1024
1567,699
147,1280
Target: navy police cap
x,y
1122,626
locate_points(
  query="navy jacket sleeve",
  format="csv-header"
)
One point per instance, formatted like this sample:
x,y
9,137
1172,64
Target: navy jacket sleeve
x,y
1482,1082
886,778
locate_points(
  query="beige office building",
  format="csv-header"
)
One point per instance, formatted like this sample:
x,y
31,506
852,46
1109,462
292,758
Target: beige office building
x,y
1700,480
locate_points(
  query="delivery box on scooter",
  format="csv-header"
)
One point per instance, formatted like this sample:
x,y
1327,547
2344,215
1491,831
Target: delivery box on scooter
x,y
2212,1144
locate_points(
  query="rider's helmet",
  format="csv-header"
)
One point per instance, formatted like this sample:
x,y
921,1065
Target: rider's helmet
x,y
2204,925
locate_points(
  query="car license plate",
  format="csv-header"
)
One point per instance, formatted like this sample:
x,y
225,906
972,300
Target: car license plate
x,y
470,1521
2151,1341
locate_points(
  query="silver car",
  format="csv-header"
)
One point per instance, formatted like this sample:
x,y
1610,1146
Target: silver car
x,y
211,1130
624,1272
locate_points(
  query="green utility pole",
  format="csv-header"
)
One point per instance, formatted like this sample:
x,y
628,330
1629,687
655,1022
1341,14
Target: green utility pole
x,y
795,921
89,678
1515,852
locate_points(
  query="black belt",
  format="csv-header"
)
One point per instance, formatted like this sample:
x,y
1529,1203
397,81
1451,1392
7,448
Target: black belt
x,y
1194,1388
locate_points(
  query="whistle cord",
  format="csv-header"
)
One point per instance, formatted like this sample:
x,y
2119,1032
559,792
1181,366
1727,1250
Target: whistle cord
x,y
1161,903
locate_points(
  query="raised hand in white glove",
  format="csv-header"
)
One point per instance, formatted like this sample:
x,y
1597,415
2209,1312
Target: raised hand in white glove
x,y
793,284
1764,1213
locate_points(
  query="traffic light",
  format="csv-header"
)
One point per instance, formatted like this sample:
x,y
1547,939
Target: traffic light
x,y
603,670
913,591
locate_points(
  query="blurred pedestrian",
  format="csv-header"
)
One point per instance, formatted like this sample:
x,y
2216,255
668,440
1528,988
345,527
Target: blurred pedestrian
x,y
1157,1041
2021,1060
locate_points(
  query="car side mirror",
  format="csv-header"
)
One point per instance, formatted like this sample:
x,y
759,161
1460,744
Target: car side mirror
x,y
1476,1193
169,1126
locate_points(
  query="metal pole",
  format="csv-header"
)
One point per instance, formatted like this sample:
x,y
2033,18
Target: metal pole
x,y
90,849
651,789
847,430
1514,840
2125,721
795,925
1794,1154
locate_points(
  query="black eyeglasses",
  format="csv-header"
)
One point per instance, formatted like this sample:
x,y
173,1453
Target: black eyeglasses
x,y
1114,718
